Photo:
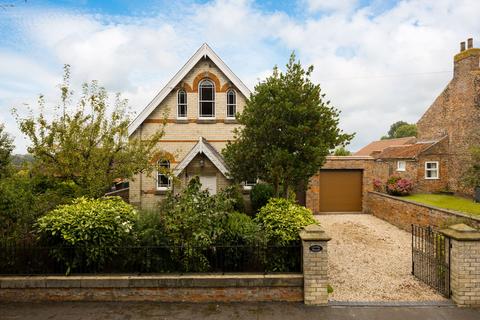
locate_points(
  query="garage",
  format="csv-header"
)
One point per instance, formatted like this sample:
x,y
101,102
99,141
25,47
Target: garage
x,y
340,190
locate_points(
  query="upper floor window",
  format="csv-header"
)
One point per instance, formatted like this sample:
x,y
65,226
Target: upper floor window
x,y
181,104
206,98
163,180
231,104
432,170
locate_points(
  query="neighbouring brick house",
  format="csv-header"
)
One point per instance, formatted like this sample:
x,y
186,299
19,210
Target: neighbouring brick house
x,y
198,107
436,160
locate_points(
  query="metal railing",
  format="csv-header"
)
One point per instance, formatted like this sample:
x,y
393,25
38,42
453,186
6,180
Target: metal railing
x,y
26,259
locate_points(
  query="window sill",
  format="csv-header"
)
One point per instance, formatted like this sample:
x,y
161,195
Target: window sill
x,y
181,120
230,120
162,191
432,178
401,170
206,120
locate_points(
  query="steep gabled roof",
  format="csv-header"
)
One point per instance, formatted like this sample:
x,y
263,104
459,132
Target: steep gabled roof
x,y
380,145
203,147
203,51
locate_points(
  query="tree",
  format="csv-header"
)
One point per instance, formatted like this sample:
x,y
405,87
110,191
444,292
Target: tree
x,y
87,144
401,129
287,131
472,174
341,152
6,148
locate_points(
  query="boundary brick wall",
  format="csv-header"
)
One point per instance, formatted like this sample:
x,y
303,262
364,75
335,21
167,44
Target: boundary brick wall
x,y
403,213
169,288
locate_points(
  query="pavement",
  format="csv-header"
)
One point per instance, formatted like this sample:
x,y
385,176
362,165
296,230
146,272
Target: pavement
x,y
232,311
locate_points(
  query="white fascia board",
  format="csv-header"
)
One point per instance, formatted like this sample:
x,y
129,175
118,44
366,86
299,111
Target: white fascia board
x,y
203,51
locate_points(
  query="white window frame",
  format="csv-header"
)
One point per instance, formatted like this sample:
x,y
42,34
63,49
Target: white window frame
x,y
182,104
429,169
249,186
234,104
169,185
401,168
200,116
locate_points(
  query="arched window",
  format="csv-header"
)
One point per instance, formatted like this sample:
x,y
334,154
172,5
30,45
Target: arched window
x,y
231,103
163,180
181,104
206,92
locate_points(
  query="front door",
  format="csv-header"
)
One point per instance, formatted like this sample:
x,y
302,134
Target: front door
x,y
209,183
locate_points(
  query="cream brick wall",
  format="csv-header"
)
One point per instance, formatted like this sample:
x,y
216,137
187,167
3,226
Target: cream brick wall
x,y
180,138
465,273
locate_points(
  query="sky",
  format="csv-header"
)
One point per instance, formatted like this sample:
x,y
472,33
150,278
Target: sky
x,y
377,61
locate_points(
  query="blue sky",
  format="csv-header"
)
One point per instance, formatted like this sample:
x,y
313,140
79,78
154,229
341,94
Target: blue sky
x,y
377,61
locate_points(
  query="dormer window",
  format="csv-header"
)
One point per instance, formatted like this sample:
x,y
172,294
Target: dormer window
x,y
182,104
206,99
231,104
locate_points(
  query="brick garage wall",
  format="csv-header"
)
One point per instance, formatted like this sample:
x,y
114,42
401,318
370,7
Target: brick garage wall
x,y
403,213
371,169
198,288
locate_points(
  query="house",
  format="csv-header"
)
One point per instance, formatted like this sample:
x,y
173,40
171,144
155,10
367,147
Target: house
x,y
198,107
436,160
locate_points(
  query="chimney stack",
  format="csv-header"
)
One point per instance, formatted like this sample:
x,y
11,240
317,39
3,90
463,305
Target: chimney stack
x,y
470,43
462,46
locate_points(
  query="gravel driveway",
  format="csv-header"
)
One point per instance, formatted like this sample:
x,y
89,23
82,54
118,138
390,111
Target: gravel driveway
x,y
370,260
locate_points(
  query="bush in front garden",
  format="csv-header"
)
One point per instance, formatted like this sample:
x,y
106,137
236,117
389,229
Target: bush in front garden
x,y
92,228
397,186
281,220
259,195
240,229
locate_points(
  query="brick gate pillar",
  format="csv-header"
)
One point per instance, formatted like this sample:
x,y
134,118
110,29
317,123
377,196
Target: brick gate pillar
x,y
315,265
464,264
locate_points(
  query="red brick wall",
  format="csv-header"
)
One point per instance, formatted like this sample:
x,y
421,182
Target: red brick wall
x,y
403,213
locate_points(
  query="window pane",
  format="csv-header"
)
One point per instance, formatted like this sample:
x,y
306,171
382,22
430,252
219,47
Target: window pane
x,y
182,111
231,97
206,109
207,94
231,111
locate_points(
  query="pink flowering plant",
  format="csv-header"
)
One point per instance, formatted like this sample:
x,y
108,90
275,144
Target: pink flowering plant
x,y
378,185
397,186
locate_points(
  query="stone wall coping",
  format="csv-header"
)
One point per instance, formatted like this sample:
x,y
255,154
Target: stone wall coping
x,y
314,232
153,281
456,213
462,232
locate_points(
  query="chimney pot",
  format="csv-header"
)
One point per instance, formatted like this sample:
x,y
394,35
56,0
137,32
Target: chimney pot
x,y
462,46
470,43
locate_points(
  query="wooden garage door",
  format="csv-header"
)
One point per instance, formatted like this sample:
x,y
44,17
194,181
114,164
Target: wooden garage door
x,y
340,190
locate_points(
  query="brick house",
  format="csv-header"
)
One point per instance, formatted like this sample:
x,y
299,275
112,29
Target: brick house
x,y
198,106
436,160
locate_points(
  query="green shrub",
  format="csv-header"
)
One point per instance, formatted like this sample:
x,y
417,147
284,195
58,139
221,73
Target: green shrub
x,y
281,220
92,227
149,229
260,194
240,229
233,195
193,220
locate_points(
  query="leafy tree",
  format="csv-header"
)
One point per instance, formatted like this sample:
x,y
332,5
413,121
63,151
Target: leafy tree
x,y
288,130
341,151
401,129
6,148
472,175
87,144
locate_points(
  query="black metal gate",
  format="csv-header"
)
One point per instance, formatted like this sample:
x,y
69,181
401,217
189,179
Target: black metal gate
x,y
431,258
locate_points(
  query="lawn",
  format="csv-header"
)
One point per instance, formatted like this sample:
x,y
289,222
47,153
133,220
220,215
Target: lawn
x,y
447,202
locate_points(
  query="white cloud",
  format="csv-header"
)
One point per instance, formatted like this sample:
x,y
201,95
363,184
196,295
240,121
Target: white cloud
x,y
376,67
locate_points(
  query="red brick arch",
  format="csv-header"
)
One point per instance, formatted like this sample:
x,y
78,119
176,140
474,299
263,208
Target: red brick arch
x,y
206,75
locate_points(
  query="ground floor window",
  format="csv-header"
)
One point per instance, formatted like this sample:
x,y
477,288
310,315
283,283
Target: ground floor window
x,y
431,170
163,180
401,165
248,184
